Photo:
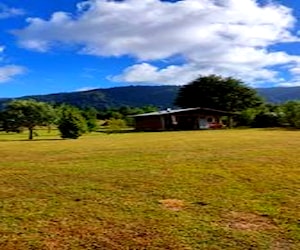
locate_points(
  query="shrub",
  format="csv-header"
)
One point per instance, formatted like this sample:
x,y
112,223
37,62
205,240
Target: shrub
x,y
116,124
71,124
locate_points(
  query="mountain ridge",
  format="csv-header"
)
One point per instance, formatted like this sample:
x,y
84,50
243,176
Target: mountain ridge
x,y
137,96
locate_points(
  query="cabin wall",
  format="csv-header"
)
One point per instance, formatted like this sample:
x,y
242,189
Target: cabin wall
x,y
179,121
198,121
149,123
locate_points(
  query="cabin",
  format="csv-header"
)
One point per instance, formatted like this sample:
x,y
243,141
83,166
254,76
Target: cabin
x,y
182,119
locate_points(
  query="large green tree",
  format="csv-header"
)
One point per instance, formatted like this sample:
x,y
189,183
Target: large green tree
x,y
216,92
20,114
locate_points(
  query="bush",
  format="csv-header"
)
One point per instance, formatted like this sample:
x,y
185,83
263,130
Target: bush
x,y
266,119
71,124
291,113
116,124
246,117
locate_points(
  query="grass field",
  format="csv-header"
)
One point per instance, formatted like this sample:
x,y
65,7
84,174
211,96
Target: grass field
x,y
227,189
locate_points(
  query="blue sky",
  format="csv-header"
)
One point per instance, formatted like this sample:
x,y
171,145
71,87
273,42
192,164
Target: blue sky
x,y
71,45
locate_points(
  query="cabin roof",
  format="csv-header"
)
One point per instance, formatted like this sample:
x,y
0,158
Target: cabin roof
x,y
174,111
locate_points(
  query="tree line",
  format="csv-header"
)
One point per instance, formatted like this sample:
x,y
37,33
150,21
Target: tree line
x,y
71,121
216,92
271,115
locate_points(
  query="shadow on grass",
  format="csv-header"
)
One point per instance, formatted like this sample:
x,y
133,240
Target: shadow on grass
x,y
33,140
127,131
131,131
278,129
116,131
145,131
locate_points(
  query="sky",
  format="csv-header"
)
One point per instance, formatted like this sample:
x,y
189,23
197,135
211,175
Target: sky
x,y
74,45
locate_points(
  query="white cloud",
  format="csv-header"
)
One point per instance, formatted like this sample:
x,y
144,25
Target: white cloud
x,y
229,37
9,71
7,12
289,84
246,63
147,73
85,89
2,48
295,70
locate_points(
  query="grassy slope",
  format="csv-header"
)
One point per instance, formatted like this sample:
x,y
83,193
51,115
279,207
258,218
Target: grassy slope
x,y
237,189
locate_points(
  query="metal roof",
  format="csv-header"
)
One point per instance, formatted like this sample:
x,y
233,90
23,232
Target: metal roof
x,y
174,111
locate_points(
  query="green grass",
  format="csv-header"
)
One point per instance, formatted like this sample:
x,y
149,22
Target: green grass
x,y
227,189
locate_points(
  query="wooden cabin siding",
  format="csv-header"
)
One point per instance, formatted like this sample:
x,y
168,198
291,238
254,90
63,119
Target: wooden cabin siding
x,y
149,123
183,119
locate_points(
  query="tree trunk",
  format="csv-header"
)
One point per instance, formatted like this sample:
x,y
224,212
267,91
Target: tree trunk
x,y
30,134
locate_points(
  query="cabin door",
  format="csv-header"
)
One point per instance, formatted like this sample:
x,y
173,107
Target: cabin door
x,y
203,124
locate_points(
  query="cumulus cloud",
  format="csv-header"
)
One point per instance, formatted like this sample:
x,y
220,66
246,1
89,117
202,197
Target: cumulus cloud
x,y
250,64
7,12
229,37
9,71
147,73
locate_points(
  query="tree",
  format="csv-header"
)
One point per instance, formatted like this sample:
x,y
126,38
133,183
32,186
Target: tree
x,y
266,119
215,92
247,117
90,115
8,124
267,115
28,114
291,113
71,123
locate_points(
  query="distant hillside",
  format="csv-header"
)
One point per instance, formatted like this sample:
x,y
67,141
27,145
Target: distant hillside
x,y
138,96
135,96
280,94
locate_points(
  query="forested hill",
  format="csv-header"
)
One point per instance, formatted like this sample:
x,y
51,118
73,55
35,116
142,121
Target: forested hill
x,y
280,94
138,96
134,96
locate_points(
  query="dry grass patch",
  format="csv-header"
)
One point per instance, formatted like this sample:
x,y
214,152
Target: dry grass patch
x,y
282,244
249,222
172,204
